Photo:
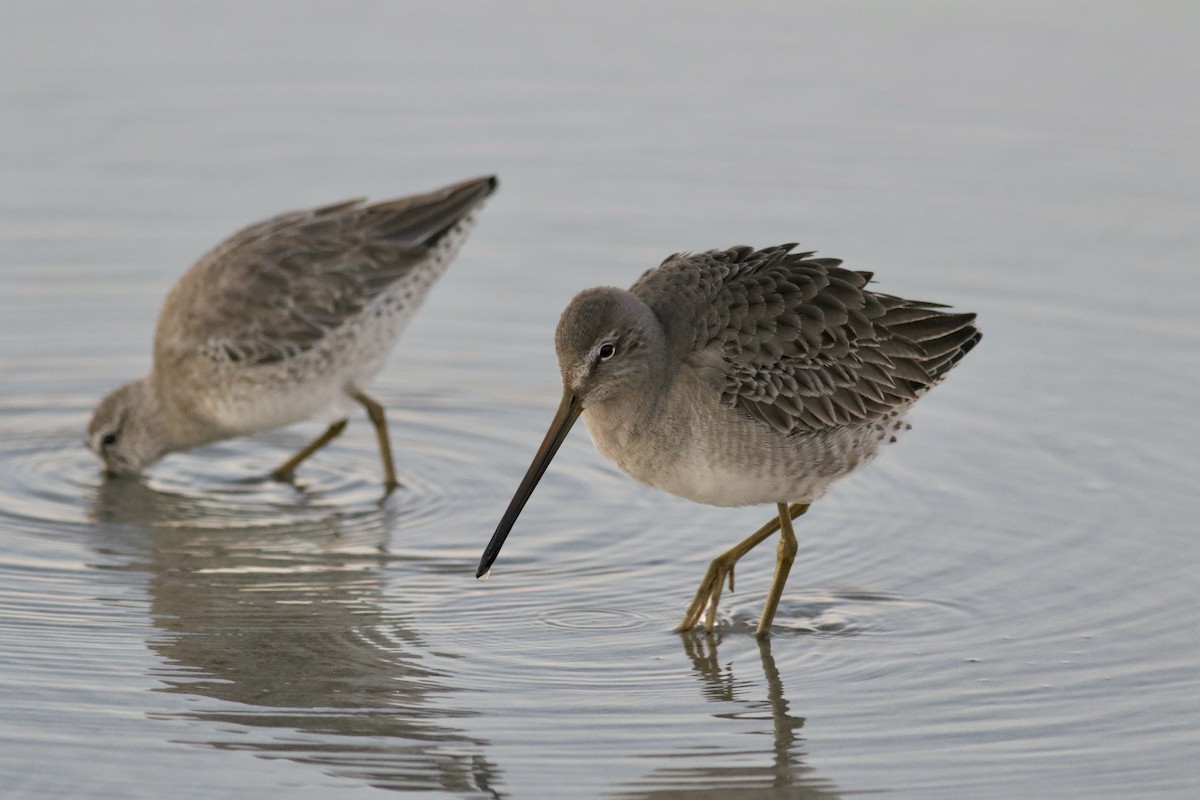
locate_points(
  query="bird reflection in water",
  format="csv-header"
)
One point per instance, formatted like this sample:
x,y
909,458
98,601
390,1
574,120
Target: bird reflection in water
x,y
733,772
283,635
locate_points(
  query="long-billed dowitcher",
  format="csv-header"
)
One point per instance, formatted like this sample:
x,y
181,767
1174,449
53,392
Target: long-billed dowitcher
x,y
286,320
741,377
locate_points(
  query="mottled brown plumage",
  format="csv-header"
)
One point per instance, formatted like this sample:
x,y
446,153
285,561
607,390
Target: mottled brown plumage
x,y
741,376
804,344
275,289
285,320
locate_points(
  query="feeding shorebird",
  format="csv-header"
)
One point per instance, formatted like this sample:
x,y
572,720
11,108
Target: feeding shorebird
x,y
286,320
742,377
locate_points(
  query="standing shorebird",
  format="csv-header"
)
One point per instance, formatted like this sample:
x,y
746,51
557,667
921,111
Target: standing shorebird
x,y
742,377
286,320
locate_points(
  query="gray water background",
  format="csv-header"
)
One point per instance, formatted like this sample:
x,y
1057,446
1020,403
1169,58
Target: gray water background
x,y
1003,605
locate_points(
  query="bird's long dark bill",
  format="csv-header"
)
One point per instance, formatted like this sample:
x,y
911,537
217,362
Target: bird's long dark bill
x,y
568,411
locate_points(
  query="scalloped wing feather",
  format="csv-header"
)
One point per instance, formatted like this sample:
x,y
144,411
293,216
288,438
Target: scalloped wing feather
x,y
804,345
304,273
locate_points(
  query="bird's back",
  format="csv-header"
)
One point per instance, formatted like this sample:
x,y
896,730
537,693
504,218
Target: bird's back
x,y
800,343
277,288
278,321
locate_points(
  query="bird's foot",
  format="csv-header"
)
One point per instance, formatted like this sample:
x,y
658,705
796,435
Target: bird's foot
x,y
389,486
283,476
708,595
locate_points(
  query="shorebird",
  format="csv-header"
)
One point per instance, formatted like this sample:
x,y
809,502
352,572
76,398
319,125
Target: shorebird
x,y
742,377
286,320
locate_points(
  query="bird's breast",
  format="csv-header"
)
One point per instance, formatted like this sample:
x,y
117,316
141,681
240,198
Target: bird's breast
x,y
692,446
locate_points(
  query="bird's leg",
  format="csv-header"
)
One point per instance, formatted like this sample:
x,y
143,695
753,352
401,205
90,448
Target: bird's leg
x,y
287,470
375,412
783,565
709,593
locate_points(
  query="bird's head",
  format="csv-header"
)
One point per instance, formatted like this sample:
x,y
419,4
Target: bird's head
x,y
609,343
124,432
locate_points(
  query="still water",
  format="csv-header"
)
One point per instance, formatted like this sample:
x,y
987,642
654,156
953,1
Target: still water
x,y
1003,605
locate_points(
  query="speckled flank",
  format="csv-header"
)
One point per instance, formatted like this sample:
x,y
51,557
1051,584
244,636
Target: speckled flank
x,y
347,358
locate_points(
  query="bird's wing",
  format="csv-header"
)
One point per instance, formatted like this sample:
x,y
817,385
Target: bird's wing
x,y
277,288
802,344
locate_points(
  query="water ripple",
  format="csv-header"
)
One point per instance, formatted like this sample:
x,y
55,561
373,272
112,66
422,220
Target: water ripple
x,y
317,622
593,619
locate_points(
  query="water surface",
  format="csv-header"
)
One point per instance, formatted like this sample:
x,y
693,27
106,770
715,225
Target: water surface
x,y
1004,604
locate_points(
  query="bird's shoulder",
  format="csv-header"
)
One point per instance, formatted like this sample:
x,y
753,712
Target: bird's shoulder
x,y
748,299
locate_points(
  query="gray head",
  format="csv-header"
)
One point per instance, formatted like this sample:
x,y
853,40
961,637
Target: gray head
x,y
610,348
125,431
608,343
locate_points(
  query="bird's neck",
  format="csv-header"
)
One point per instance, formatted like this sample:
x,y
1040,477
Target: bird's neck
x,y
169,413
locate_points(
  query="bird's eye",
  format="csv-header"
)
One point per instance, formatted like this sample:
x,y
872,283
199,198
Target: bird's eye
x,y
108,439
607,351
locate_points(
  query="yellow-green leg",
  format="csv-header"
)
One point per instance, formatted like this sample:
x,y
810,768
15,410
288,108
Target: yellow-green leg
x,y
784,557
709,593
379,420
287,470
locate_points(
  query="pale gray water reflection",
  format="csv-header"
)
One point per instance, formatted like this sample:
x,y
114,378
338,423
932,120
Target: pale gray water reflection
x,y
283,627
698,774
